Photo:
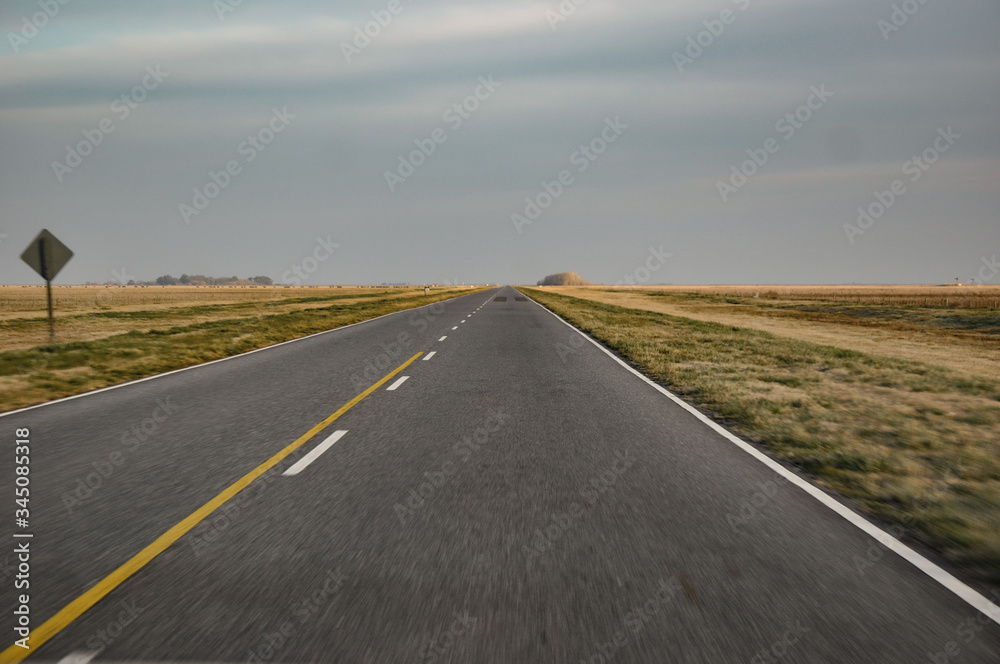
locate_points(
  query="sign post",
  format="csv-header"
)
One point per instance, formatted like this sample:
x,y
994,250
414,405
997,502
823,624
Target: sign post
x,y
46,255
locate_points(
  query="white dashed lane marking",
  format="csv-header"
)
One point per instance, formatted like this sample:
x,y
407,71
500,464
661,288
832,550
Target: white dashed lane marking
x,y
301,464
396,384
79,657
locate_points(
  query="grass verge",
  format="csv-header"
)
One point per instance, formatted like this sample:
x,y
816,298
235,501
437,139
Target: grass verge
x,y
912,443
42,373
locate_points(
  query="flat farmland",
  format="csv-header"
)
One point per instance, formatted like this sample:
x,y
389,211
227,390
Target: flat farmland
x,y
92,312
978,297
951,326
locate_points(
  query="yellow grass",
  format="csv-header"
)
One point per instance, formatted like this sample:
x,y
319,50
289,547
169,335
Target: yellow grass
x,y
79,309
19,301
778,310
945,295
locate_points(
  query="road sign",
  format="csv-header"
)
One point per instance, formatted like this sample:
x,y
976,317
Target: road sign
x,y
46,255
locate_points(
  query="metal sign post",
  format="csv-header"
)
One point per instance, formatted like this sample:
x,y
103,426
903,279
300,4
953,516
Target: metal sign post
x,y
48,287
47,255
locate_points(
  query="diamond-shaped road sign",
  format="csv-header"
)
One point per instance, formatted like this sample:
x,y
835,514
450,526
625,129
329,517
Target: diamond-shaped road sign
x,y
46,255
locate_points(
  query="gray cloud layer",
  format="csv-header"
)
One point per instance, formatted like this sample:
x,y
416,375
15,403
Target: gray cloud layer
x,y
324,175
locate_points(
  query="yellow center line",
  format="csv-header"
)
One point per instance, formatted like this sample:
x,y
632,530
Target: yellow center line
x,y
81,604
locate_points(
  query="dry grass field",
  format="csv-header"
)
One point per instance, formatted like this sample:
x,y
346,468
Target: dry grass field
x,y
945,329
895,406
106,336
946,295
92,312
14,299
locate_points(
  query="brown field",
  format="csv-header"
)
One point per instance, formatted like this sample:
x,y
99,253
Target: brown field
x,y
85,313
17,301
945,295
936,324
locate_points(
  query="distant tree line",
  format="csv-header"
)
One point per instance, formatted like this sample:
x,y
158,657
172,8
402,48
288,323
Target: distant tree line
x,y
197,280
202,280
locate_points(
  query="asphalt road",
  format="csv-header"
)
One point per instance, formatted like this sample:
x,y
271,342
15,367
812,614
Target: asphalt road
x,y
520,497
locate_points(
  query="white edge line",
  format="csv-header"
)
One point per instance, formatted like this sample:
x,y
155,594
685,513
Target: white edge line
x,y
314,453
221,359
934,571
429,355
79,657
396,384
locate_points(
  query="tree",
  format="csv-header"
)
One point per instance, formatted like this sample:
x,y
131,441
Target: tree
x,y
564,279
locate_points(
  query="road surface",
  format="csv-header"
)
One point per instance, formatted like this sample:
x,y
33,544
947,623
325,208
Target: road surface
x,y
519,497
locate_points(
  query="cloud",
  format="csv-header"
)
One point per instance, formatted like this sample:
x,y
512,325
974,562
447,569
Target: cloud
x,y
608,58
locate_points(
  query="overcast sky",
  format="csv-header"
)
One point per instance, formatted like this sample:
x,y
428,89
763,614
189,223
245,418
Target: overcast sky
x,y
318,126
